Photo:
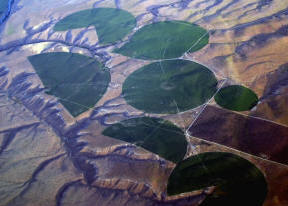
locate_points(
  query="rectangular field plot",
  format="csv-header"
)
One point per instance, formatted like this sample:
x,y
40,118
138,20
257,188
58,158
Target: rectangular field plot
x,y
254,136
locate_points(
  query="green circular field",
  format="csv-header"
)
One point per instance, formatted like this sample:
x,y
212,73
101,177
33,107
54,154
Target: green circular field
x,y
237,98
153,134
165,40
77,80
111,24
238,182
169,86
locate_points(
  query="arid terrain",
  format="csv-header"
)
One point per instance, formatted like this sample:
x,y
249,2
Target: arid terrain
x,y
49,157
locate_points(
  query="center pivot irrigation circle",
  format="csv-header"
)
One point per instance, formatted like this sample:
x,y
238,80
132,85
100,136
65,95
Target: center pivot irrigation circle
x,y
169,87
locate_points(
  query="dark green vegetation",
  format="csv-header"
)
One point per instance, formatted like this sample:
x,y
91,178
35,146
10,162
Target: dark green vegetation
x,y
236,97
111,24
169,86
164,40
78,81
238,182
153,134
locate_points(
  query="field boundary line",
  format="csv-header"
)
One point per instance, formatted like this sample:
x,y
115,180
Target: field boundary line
x,y
266,120
206,104
224,146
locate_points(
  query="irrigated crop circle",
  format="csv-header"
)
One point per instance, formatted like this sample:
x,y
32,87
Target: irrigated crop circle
x,y
237,98
165,40
169,86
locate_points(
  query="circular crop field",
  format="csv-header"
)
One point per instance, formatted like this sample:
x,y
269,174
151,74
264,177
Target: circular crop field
x,y
153,134
237,181
169,86
78,81
111,24
164,40
236,97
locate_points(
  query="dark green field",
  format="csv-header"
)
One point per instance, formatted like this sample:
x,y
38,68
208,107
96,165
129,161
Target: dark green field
x,y
169,86
236,97
77,80
164,40
111,24
238,182
156,135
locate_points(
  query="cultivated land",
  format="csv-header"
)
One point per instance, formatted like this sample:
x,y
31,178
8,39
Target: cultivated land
x,y
51,158
165,40
155,135
236,97
111,24
170,86
233,177
78,81
252,135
